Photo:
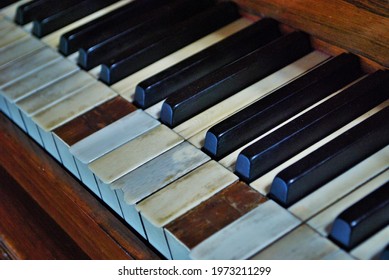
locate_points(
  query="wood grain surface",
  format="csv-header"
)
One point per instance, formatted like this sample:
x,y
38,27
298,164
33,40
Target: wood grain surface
x,y
361,27
92,227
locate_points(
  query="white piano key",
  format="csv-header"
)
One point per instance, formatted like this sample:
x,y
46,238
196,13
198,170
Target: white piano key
x,y
322,222
135,153
179,197
87,177
131,215
102,142
66,158
53,38
49,143
10,35
250,234
249,95
4,107
263,183
165,169
4,23
15,115
303,243
49,74
32,128
126,87
110,197
21,48
73,106
341,185
25,65
372,247
55,93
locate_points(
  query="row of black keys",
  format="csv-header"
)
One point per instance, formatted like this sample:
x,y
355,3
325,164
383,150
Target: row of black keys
x,y
218,72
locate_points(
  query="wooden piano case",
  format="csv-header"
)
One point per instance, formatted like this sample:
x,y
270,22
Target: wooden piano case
x,y
45,213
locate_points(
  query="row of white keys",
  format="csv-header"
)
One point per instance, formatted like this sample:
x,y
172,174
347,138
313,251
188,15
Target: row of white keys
x,y
19,48
11,34
217,36
20,73
322,222
24,66
96,145
131,191
153,176
128,158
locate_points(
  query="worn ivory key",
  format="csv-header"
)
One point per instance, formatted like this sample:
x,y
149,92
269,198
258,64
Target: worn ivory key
x,y
179,197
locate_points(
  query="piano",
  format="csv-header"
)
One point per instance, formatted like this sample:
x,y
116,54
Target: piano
x,y
142,129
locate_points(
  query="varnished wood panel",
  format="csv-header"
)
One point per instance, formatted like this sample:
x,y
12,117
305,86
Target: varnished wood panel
x,y
361,27
90,224
27,231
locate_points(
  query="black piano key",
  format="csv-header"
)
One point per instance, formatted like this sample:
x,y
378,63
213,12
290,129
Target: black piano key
x,y
161,85
168,42
331,160
362,219
297,135
153,26
106,26
58,20
385,253
40,9
5,3
281,105
228,80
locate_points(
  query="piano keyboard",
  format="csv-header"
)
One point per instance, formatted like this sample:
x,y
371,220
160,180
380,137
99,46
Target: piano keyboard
x,y
212,135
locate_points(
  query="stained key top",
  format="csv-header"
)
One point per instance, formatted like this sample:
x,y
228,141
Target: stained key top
x,y
169,41
107,25
53,22
161,85
332,159
228,80
362,219
281,105
322,120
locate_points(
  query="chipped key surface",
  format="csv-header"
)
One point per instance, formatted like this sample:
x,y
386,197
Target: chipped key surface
x,y
135,153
